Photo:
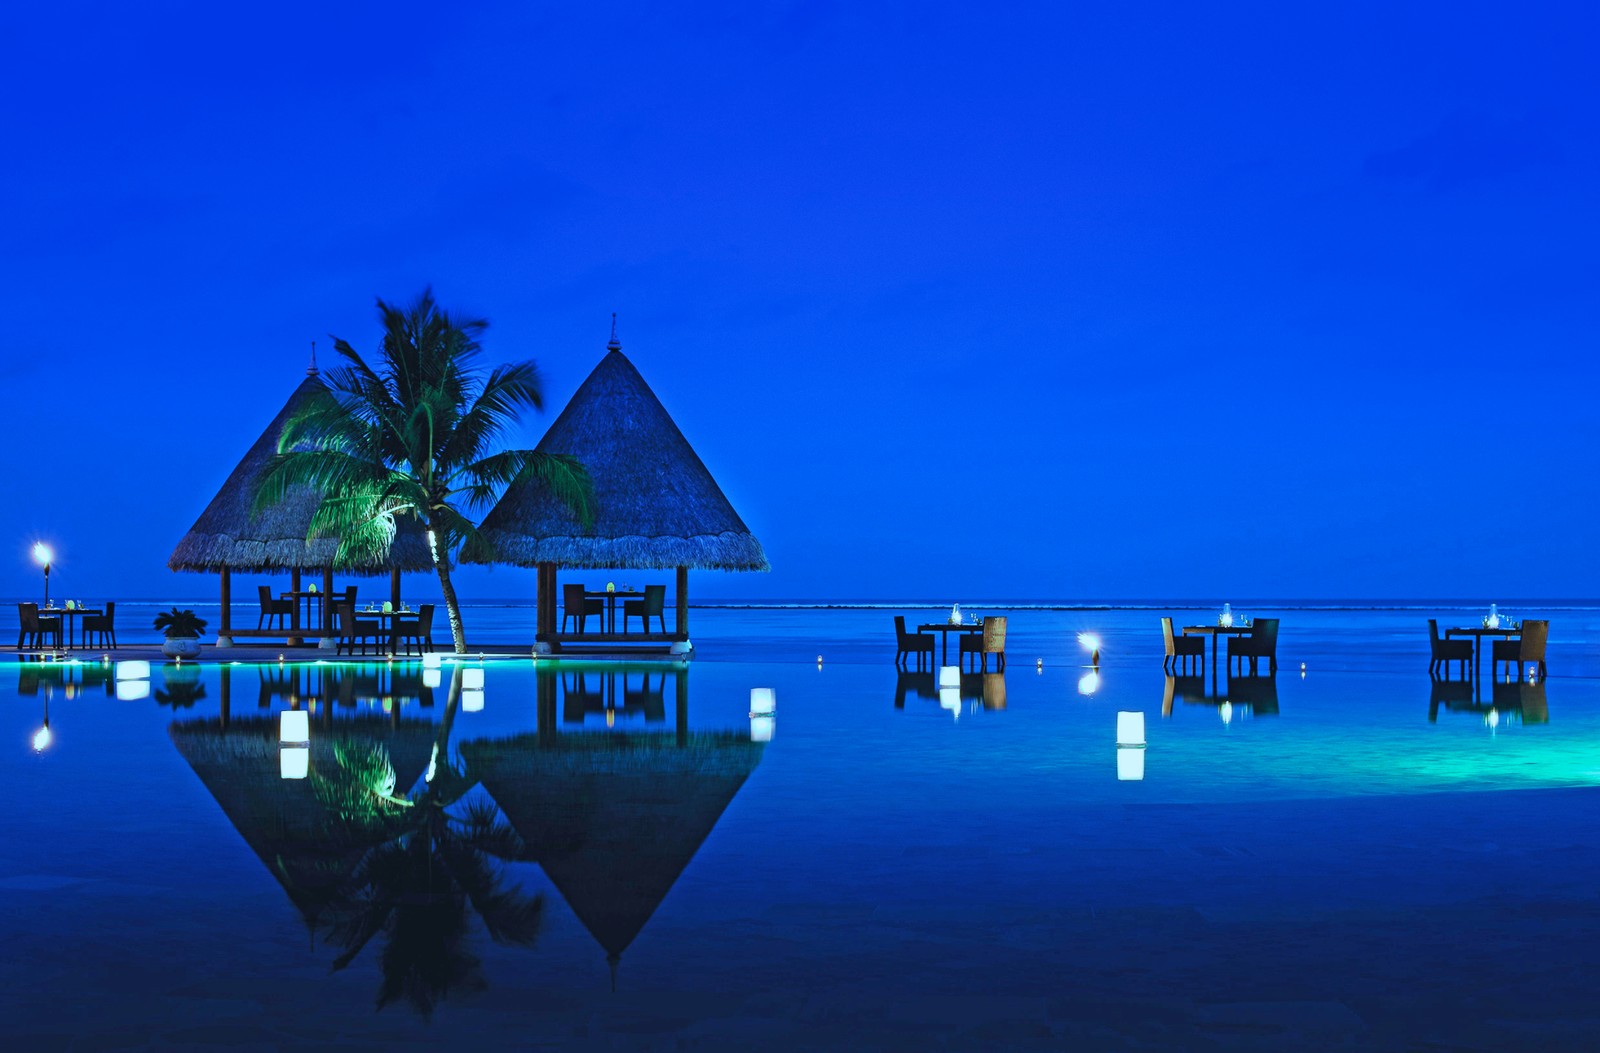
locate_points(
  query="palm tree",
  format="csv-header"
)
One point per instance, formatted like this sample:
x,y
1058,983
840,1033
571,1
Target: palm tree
x,y
429,858
413,437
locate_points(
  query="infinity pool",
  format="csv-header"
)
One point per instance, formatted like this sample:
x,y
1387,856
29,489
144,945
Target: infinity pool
x,y
627,858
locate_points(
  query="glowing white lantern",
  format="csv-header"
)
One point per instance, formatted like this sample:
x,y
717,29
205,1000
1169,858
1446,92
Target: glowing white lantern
x,y
1130,729
950,698
1089,682
472,679
1226,618
761,729
294,726
763,702
1130,764
430,678
1226,712
294,762
431,660
133,690
949,676
136,670
472,701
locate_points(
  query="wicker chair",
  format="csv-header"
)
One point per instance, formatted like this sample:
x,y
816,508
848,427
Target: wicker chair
x,y
908,643
271,608
1180,648
419,629
652,605
575,606
992,641
1529,647
34,627
1442,651
1261,642
104,624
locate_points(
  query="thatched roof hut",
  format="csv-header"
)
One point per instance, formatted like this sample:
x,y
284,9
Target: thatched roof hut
x,y
613,820
231,535
657,505
284,821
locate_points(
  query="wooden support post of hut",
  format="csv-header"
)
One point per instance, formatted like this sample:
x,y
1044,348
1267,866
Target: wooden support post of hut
x,y
232,535
658,509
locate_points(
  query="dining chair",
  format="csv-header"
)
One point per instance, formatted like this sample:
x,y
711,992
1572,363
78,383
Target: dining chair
x,y
271,608
1180,648
103,624
990,641
35,627
576,607
1529,647
1260,642
1443,651
419,628
651,605
908,643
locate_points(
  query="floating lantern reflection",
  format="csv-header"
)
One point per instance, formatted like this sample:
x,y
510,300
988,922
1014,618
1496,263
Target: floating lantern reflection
x,y
430,678
294,762
132,690
1130,747
472,700
1226,711
950,698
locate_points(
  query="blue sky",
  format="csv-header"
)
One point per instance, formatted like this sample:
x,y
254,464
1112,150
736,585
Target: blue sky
x,y
1054,301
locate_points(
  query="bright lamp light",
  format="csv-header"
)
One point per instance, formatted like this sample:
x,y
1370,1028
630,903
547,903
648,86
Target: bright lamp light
x,y
763,702
1130,729
949,676
136,670
42,554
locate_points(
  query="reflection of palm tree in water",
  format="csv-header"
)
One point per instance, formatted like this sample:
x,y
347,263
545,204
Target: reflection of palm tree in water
x,y
430,857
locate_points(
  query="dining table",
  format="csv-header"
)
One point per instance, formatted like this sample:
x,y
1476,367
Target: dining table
x,y
67,614
944,629
1216,632
609,619
310,597
1477,633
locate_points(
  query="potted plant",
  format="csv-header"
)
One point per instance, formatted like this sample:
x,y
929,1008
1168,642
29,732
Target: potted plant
x,y
183,630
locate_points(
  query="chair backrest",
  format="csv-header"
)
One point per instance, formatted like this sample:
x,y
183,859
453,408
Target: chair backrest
x,y
28,615
1166,637
264,592
655,599
350,595
425,617
344,616
1265,630
900,633
1433,630
994,632
1535,633
572,596
111,612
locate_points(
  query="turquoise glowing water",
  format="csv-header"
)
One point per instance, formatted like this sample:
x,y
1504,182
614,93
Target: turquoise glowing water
x,y
1355,858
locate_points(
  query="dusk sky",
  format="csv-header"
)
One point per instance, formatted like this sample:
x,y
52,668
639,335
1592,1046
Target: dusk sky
x,y
1061,302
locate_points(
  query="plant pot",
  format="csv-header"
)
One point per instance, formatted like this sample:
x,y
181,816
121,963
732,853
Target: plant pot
x,y
181,647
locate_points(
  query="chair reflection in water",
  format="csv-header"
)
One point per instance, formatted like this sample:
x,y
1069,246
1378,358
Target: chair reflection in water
x,y
987,689
585,692
1526,699
1257,694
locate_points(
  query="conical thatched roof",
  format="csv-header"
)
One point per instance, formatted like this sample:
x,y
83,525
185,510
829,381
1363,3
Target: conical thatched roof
x,y
613,819
230,535
657,506
284,821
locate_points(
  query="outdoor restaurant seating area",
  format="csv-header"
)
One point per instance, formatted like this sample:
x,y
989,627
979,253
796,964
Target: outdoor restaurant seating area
x,y
71,626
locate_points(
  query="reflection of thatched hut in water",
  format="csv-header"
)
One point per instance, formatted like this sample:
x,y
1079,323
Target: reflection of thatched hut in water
x,y
231,535
657,506
284,821
613,820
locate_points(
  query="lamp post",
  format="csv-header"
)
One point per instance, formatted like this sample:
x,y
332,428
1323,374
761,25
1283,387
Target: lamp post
x,y
42,556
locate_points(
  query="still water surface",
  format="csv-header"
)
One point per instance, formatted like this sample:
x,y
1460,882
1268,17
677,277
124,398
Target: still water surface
x,y
622,858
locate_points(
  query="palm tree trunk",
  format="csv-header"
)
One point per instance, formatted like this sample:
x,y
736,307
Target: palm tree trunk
x,y
452,606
